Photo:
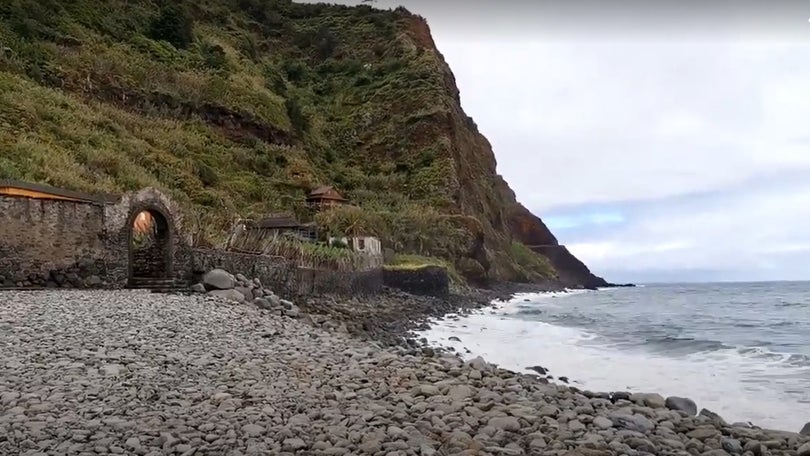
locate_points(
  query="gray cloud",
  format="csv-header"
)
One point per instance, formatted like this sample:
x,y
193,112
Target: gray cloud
x,y
618,19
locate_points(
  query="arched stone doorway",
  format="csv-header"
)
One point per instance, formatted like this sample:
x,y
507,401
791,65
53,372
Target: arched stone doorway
x,y
150,246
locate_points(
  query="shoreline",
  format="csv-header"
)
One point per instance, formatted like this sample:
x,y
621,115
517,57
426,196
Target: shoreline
x,y
404,329
394,318
541,373
340,377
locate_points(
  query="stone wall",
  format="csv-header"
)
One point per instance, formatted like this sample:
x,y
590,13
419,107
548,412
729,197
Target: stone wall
x,y
274,272
118,220
429,280
316,281
61,243
51,243
285,278
149,261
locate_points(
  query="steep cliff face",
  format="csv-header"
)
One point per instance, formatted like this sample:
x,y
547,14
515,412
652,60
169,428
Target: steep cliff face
x,y
240,107
484,192
530,230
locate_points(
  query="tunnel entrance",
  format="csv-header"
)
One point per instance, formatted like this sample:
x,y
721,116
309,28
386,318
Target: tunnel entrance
x,y
149,246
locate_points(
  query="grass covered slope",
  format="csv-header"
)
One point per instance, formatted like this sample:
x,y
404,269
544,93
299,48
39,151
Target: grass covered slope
x,y
240,107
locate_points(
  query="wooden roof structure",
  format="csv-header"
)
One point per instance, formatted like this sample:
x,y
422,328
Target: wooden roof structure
x,y
41,191
325,193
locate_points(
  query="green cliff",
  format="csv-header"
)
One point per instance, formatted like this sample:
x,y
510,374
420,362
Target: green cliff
x,y
240,107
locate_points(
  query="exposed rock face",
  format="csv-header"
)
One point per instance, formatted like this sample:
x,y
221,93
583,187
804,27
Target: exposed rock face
x,y
530,230
503,217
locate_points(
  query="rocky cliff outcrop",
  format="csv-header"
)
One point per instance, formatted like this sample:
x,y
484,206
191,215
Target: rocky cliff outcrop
x,y
477,177
531,231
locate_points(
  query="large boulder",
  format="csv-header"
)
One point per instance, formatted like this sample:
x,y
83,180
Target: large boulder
x,y
652,400
246,292
805,430
218,279
682,404
712,417
231,295
274,300
263,304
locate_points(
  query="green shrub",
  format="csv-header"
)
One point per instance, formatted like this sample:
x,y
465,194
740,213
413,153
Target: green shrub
x,y
412,262
273,80
214,56
325,43
296,71
207,175
531,266
173,25
298,119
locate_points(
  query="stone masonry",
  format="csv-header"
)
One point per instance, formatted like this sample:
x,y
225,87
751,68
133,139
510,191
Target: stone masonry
x,y
40,236
73,244
87,244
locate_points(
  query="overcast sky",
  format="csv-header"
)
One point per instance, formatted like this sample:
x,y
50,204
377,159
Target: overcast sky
x,y
658,143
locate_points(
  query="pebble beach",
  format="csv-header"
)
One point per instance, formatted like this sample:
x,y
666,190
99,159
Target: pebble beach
x,y
133,372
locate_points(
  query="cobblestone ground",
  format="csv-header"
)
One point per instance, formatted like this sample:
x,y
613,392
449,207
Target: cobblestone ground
x,y
137,372
147,374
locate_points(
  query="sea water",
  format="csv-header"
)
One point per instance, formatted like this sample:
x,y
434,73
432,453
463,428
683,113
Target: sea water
x,y
740,350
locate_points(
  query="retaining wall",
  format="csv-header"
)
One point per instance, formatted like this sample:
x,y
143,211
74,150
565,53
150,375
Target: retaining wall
x,y
315,281
50,243
274,272
62,243
285,278
428,280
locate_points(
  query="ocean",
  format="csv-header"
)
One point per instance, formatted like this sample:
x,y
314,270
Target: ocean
x,y
740,350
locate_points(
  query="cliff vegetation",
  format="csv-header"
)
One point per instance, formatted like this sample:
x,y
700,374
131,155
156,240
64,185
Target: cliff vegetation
x,y
238,108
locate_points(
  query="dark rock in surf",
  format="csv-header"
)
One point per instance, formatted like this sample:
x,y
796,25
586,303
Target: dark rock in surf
x,y
682,404
619,395
539,369
563,379
713,417
805,430
596,395
454,339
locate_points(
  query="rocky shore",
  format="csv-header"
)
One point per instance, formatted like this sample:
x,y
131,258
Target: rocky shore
x,y
133,372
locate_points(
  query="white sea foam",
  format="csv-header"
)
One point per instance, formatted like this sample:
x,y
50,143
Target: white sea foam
x,y
738,386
